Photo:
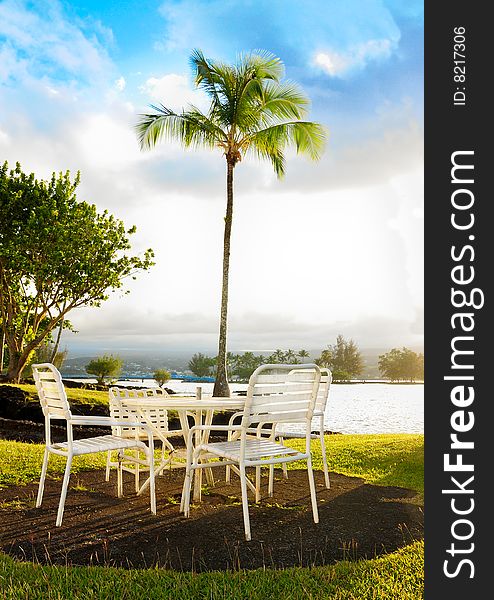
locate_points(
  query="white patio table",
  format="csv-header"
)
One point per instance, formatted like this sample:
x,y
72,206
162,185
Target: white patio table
x,y
202,410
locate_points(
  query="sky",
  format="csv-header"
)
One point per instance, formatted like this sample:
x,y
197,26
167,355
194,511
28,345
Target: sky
x,y
334,247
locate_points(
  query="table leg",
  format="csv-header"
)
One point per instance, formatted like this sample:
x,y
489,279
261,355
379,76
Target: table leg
x,y
184,424
198,474
205,438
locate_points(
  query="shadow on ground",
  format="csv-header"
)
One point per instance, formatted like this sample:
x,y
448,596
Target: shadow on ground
x,y
357,520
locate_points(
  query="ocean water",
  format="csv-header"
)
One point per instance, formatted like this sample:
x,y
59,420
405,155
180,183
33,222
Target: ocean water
x,y
351,408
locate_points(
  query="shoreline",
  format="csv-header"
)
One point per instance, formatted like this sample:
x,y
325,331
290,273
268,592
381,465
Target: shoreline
x,y
133,379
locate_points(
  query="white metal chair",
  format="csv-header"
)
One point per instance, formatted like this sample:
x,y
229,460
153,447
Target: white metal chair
x,y
276,394
55,405
156,419
317,422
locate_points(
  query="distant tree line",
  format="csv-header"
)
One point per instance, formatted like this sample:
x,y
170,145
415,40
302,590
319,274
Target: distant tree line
x,y
402,365
241,366
107,368
343,358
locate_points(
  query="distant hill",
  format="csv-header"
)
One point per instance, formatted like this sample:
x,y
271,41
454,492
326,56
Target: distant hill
x,y
137,365
143,364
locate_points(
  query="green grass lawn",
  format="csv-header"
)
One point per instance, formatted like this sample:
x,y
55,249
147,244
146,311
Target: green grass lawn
x,y
385,459
73,394
397,576
379,459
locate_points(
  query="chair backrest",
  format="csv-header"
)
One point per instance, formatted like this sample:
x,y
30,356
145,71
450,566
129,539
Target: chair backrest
x,y
281,394
51,392
324,386
158,416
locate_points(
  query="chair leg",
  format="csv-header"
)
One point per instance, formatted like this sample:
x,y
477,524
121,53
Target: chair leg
x,y
189,468
108,460
136,473
162,472
42,478
65,485
323,452
271,480
119,476
185,502
258,484
283,466
197,492
209,476
312,487
152,487
245,502
228,474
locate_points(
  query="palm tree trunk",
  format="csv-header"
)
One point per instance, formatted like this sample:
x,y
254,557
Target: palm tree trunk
x,y
221,387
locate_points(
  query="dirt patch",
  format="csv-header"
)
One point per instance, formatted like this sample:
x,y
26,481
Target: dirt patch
x,y
357,520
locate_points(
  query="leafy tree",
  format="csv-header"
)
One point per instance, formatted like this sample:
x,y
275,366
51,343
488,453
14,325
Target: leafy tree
x,y
245,364
289,357
64,324
231,360
277,357
104,367
3,349
326,358
252,111
48,352
200,364
402,364
56,254
161,376
343,358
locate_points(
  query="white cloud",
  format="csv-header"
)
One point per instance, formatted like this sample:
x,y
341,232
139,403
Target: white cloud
x,y
10,64
331,62
47,44
354,213
174,91
120,84
124,326
337,64
4,138
105,142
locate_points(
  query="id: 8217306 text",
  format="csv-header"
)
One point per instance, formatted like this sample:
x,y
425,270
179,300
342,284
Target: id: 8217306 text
x,y
460,67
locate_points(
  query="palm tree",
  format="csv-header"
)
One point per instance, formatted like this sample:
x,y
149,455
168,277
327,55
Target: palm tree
x,y
252,111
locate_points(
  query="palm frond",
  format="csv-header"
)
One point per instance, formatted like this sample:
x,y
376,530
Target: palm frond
x,y
216,79
265,64
307,137
284,100
278,162
191,128
251,110
205,74
269,103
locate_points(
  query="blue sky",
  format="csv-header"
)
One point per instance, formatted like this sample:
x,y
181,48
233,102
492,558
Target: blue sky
x,y
75,75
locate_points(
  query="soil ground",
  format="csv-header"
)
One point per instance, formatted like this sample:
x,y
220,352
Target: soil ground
x,y
357,520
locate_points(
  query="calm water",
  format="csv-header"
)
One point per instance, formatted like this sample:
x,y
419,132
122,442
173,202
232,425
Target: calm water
x,y
353,408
